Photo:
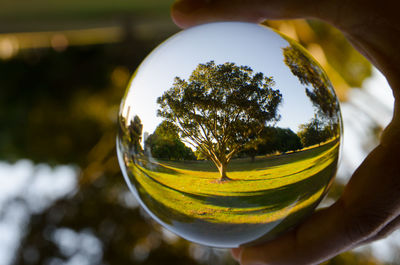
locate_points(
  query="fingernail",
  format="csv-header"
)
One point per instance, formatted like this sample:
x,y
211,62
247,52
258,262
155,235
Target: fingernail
x,y
189,6
236,253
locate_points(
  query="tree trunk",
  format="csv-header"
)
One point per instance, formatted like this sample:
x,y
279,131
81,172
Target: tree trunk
x,y
222,172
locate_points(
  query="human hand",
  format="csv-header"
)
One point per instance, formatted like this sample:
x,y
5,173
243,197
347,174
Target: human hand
x,y
369,208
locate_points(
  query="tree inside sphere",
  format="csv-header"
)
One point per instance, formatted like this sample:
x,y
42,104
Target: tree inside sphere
x,y
229,134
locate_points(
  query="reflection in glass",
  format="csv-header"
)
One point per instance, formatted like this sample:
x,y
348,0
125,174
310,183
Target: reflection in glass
x,y
229,134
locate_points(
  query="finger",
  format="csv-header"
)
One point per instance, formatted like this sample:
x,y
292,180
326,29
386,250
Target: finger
x,y
319,238
391,135
236,253
187,13
386,231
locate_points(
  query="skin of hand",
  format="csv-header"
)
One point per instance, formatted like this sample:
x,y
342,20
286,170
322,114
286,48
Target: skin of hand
x,y
369,208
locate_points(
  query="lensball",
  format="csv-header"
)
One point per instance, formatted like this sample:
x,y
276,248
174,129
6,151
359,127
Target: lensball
x,y
229,134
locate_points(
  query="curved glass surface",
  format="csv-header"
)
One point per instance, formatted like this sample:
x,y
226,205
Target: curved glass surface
x,y
229,134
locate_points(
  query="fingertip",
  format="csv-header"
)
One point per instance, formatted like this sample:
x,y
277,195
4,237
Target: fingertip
x,y
189,6
236,253
187,13
182,12
178,18
252,256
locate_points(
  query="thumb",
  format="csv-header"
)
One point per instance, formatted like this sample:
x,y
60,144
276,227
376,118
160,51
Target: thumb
x,y
186,13
319,238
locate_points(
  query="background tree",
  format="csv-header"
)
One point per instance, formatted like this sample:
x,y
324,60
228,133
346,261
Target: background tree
x,y
321,96
131,135
309,73
315,132
219,108
284,140
200,154
165,143
135,134
251,149
273,139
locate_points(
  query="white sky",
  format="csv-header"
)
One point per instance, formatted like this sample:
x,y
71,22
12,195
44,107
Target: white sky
x,y
241,43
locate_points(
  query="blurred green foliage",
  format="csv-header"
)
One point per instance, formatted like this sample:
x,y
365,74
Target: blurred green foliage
x,y
345,67
44,15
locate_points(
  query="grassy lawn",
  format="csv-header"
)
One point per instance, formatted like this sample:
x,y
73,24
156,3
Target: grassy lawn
x,y
263,191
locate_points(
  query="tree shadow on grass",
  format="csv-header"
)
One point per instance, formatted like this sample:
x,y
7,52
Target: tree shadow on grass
x,y
261,163
268,199
244,164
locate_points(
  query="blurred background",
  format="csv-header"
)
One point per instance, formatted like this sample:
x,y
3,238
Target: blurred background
x,y
64,66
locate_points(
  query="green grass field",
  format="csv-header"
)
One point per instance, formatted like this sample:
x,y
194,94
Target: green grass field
x,y
263,191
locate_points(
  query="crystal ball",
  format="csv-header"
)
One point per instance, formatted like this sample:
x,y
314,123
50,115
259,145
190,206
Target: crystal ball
x,y
229,134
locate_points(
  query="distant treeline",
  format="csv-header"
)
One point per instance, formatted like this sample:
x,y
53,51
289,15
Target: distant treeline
x,y
165,142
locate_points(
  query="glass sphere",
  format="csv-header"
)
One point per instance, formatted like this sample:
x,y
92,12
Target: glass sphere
x,y
229,134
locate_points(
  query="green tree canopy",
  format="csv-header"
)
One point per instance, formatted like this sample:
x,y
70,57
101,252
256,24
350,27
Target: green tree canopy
x,y
131,134
273,139
315,132
280,139
310,74
135,134
220,108
165,143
